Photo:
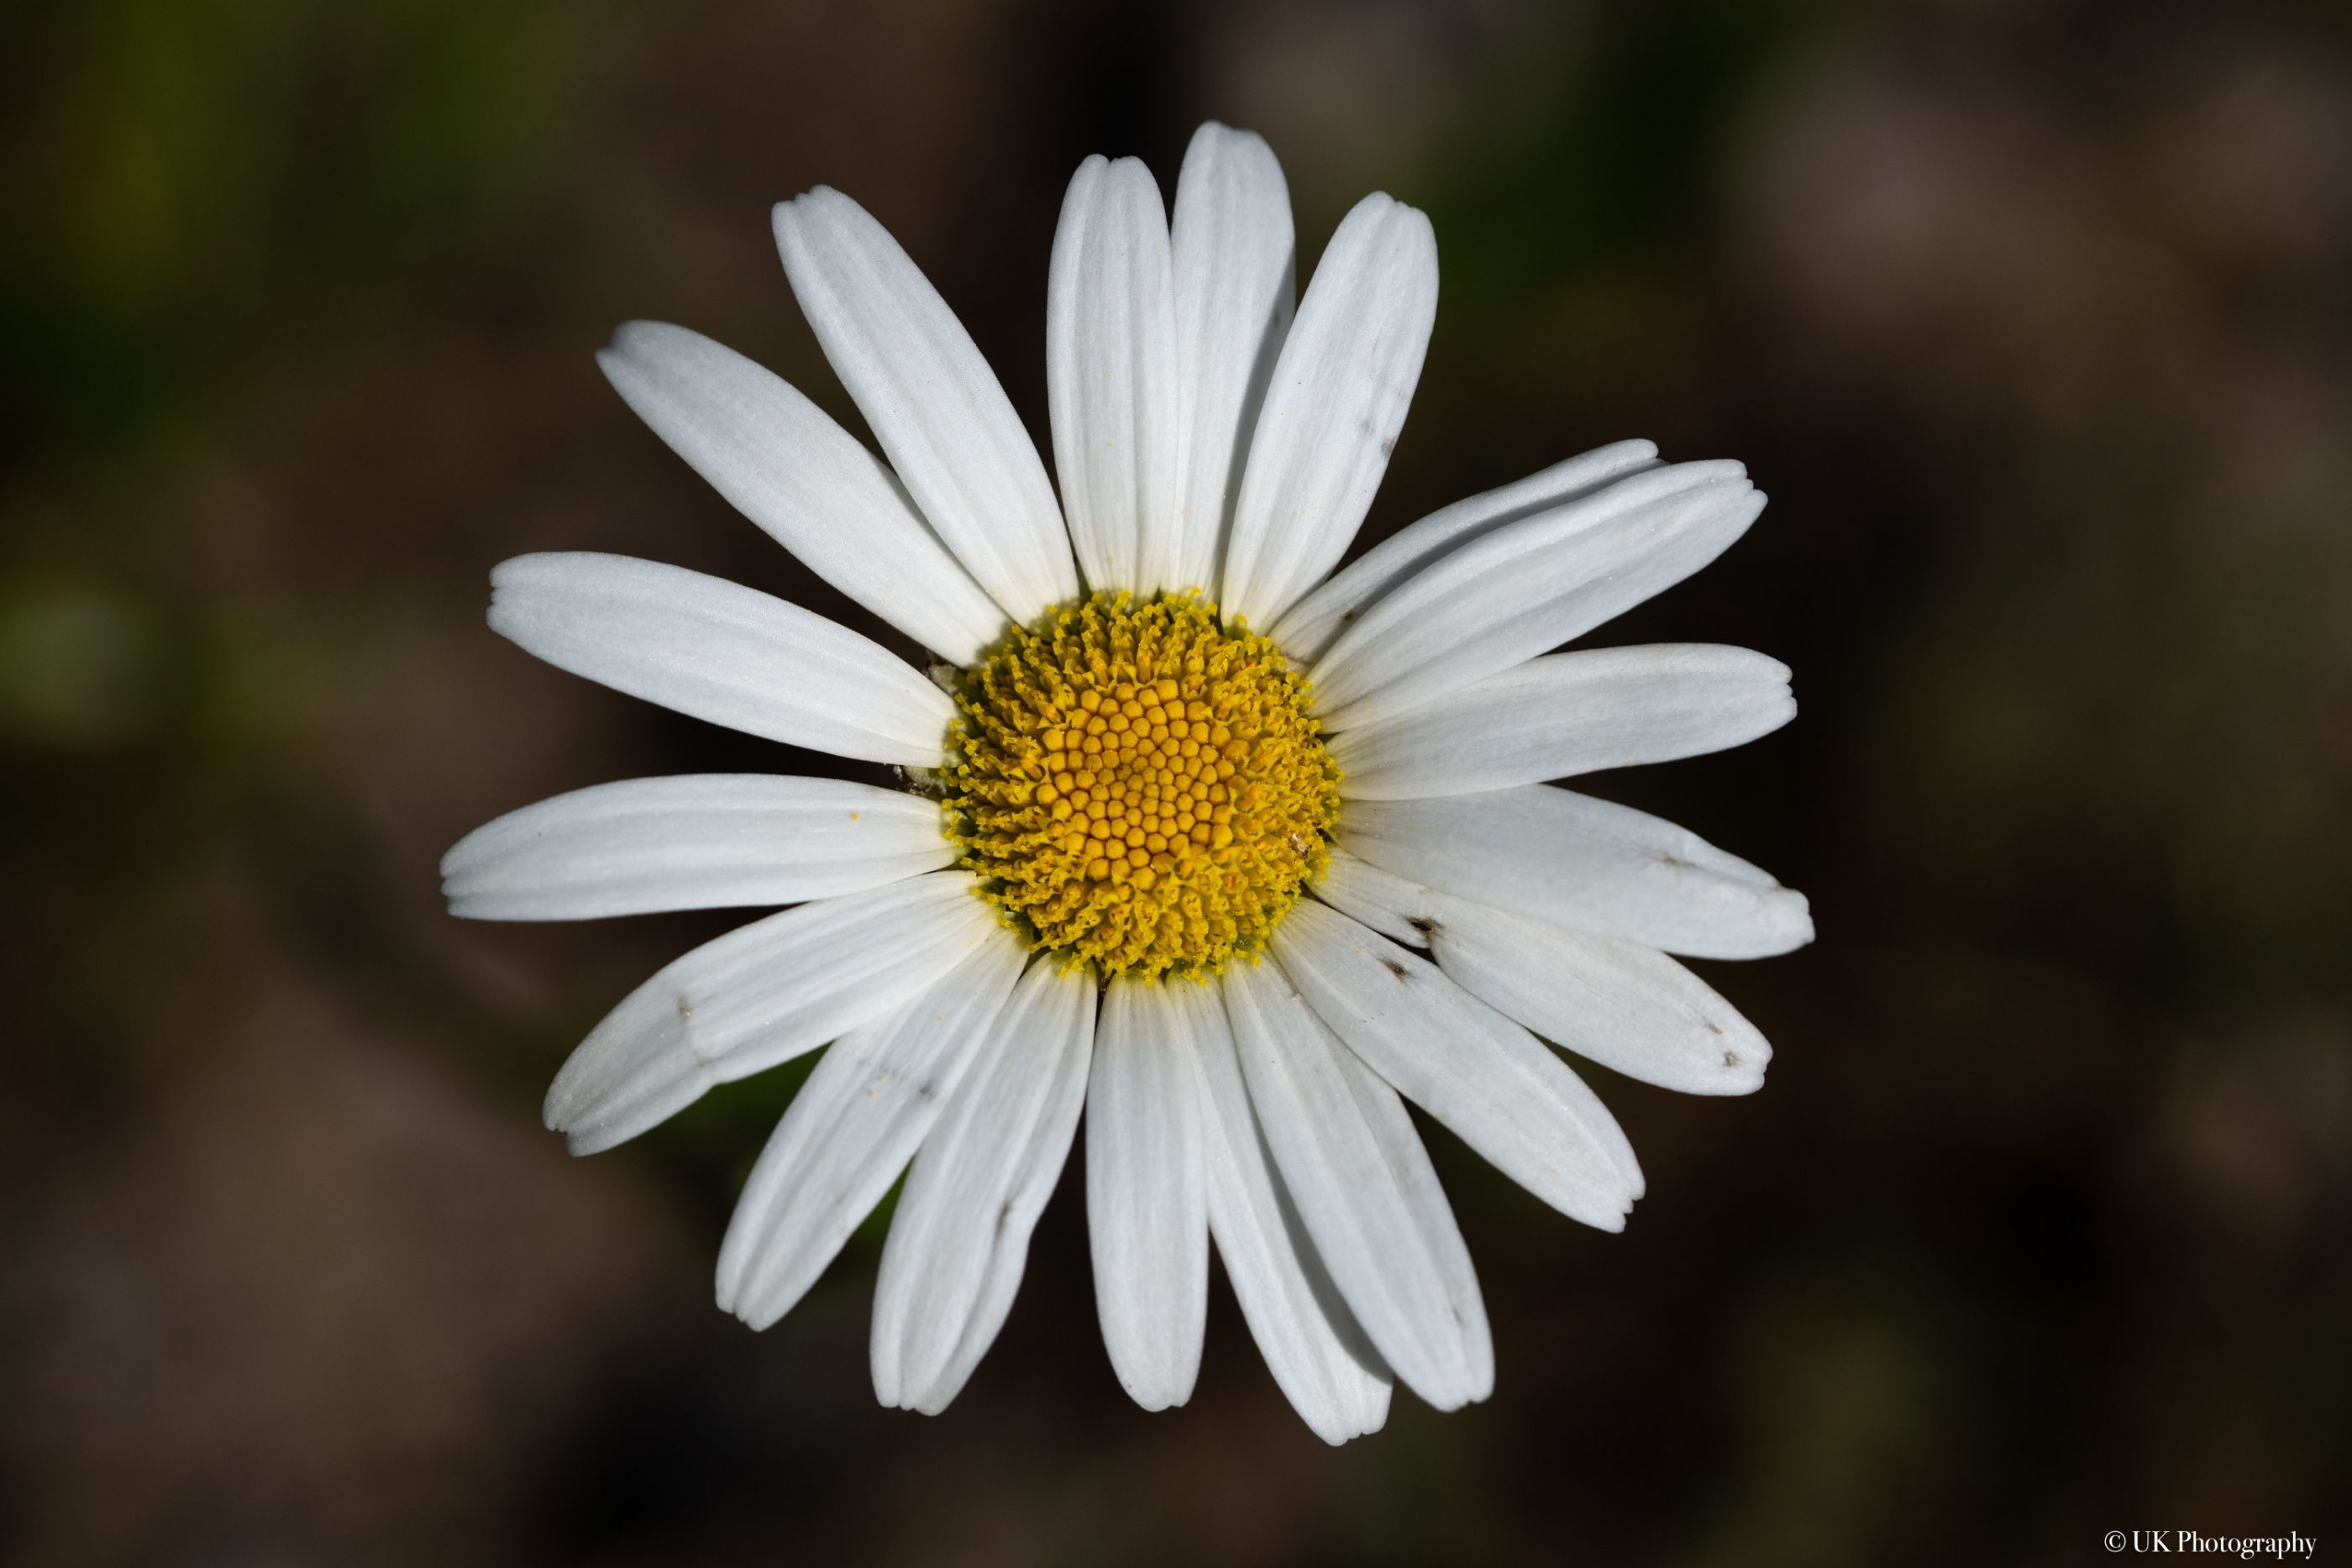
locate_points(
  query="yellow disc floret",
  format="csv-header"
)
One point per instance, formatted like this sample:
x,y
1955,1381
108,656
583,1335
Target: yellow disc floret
x,y
1138,785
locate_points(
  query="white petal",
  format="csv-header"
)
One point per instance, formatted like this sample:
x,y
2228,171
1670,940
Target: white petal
x,y
1624,1006
1393,905
1586,864
1529,586
932,401
762,994
1235,259
1147,1201
1566,714
1364,1189
1475,1071
1111,376
1308,627
1321,1359
1334,409
960,1235
851,1130
806,480
712,841
721,652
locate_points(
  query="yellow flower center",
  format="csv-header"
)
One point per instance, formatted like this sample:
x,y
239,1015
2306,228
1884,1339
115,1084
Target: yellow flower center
x,y
1138,785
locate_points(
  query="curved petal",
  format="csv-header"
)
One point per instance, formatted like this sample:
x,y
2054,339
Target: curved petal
x,y
810,484
932,401
709,840
1475,1071
1528,586
760,995
1584,863
851,1130
1308,627
1566,714
1111,382
1334,409
960,1235
1234,263
1318,1353
1147,1199
718,650
1627,1007
1365,1190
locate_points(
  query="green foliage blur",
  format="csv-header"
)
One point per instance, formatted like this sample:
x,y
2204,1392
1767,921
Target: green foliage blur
x,y
2035,320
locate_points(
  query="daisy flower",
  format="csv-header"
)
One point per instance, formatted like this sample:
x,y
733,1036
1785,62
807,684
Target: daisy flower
x,y
1231,854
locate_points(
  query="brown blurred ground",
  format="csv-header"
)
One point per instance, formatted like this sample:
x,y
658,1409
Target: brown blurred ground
x,y
2035,322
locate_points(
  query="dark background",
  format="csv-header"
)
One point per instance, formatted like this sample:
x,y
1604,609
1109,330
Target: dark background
x,y
2035,320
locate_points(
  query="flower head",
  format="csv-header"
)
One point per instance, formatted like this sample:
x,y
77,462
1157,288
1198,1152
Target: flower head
x,y
1140,788
1231,854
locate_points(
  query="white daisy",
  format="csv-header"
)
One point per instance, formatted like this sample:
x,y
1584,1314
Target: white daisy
x,y
1236,855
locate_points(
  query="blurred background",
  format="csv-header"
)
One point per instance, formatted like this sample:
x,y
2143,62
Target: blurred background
x,y
2034,319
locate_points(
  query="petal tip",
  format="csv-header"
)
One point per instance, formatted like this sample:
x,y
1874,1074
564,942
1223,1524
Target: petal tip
x,y
1154,1393
580,1144
626,339
794,212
